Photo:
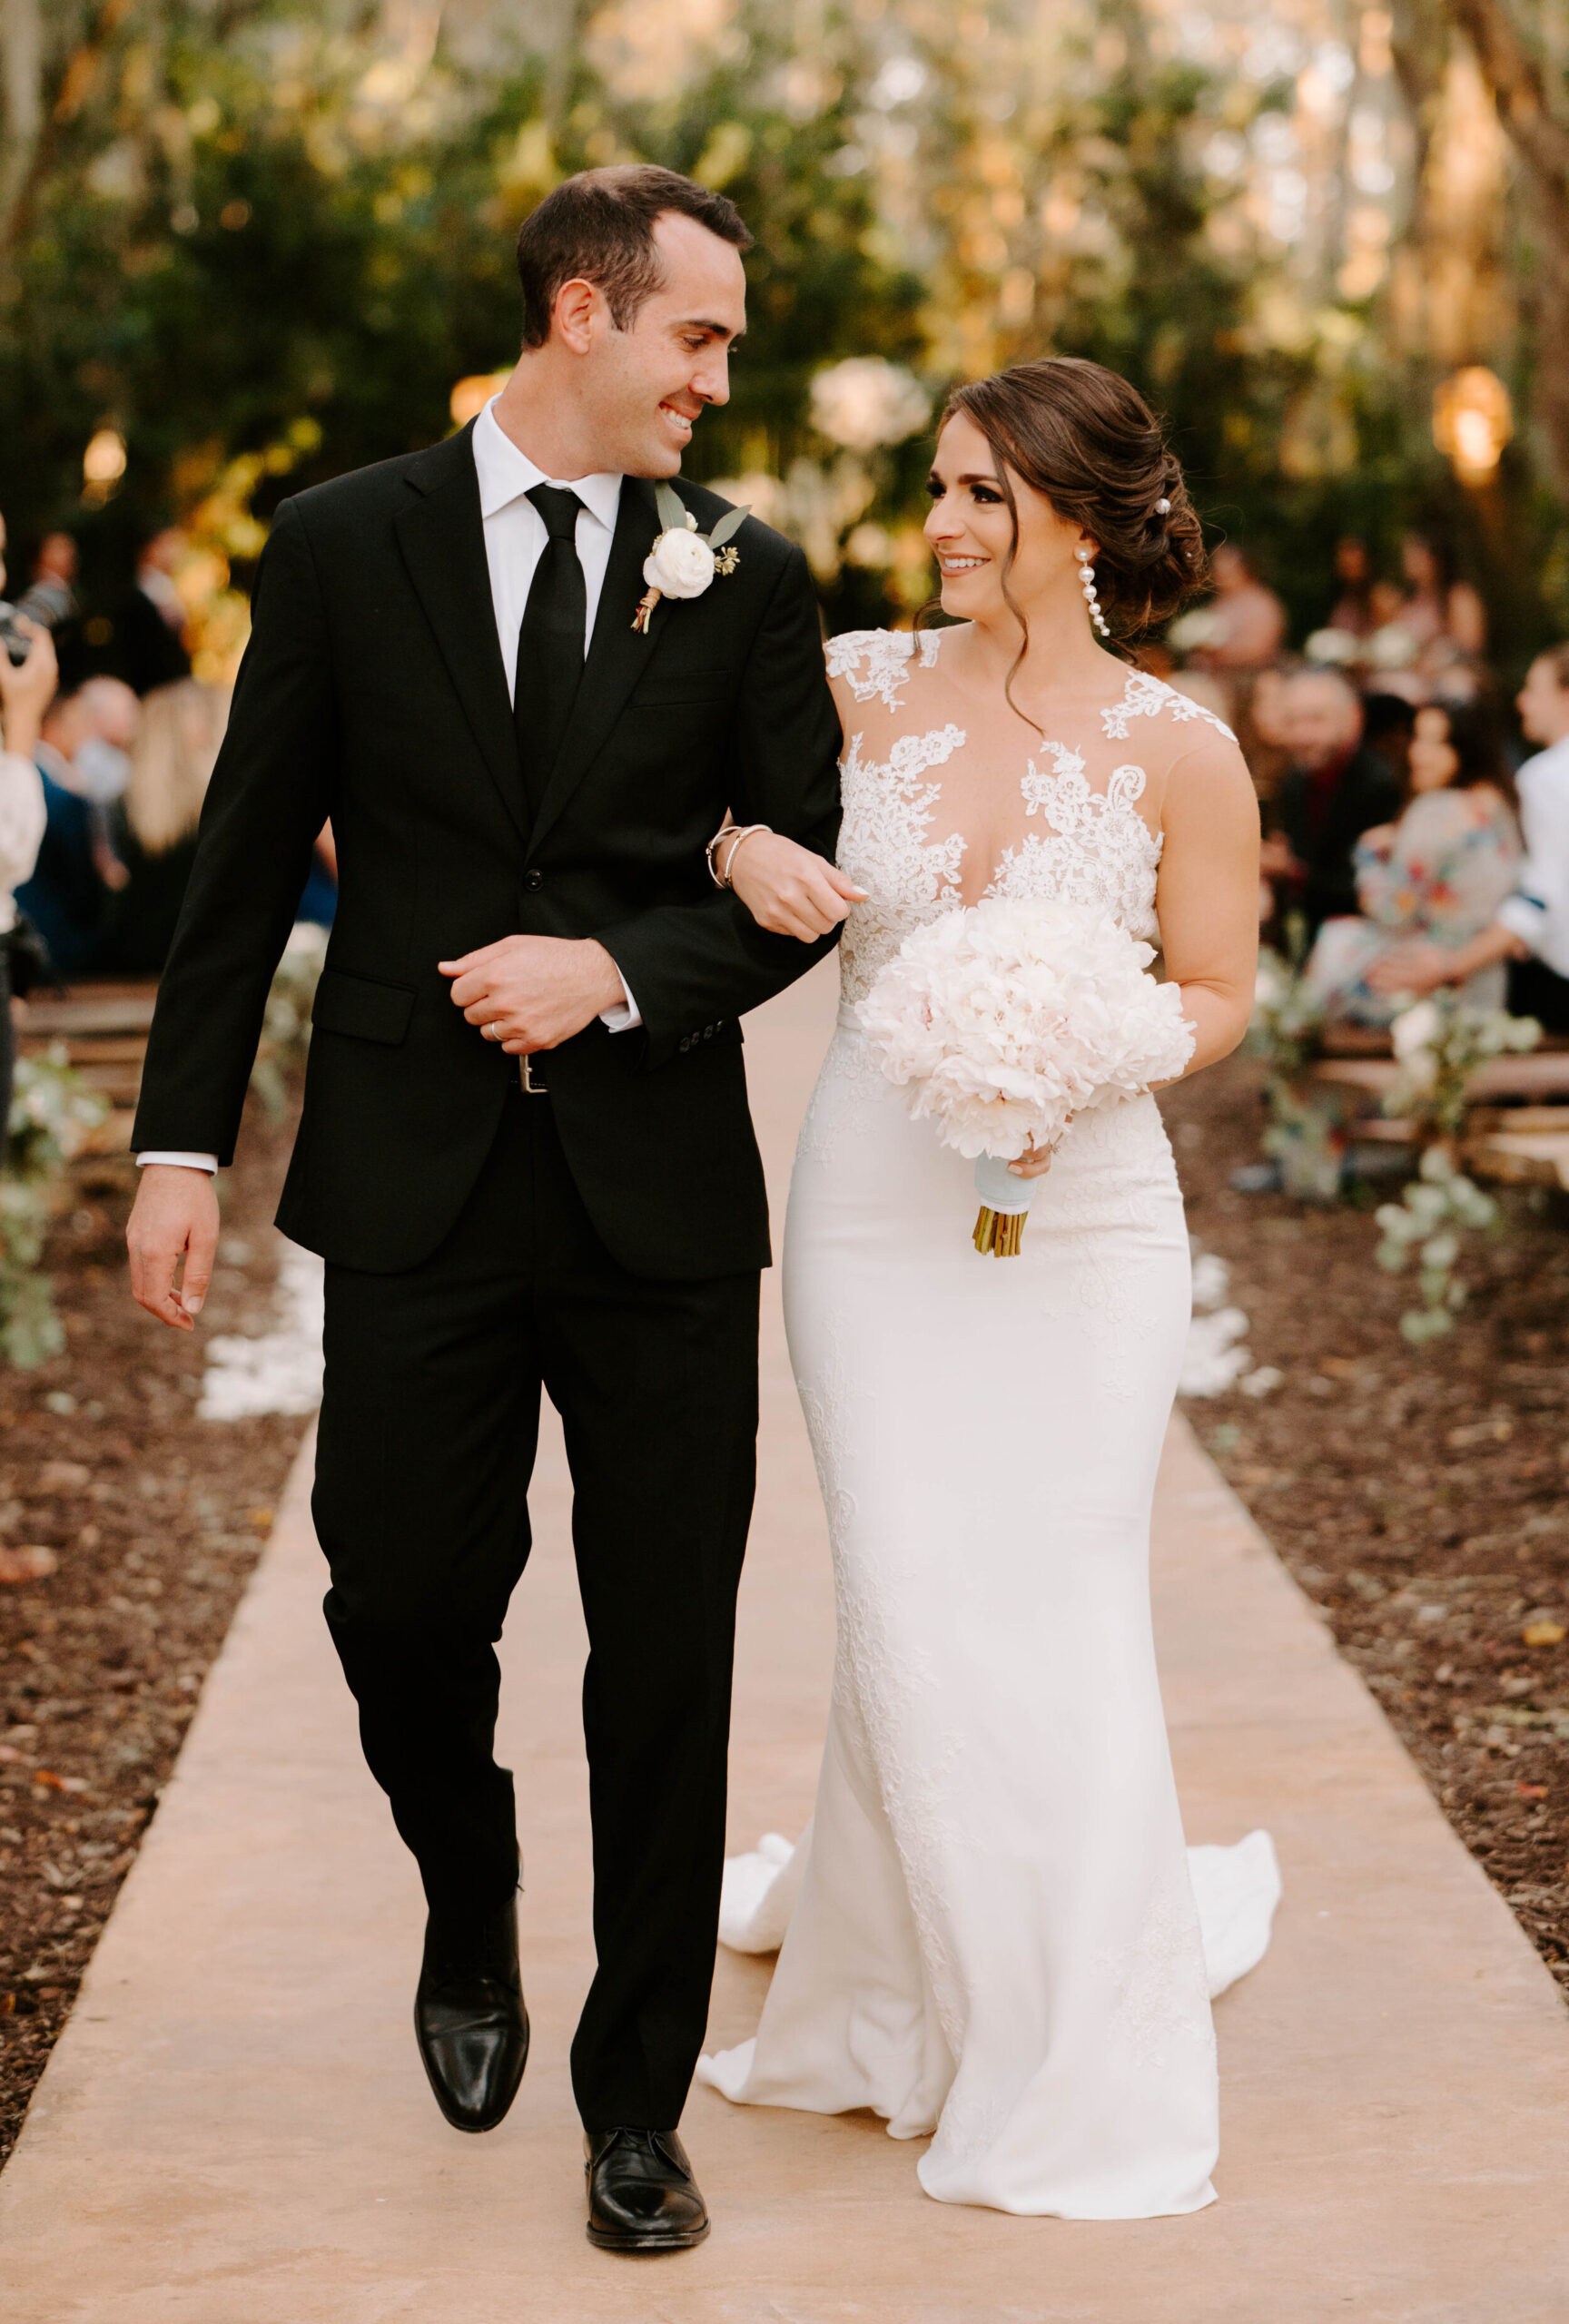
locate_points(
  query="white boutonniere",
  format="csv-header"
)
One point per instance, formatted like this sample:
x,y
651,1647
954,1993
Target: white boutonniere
x,y
683,561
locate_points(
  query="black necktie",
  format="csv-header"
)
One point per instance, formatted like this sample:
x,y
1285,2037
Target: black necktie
x,y
549,641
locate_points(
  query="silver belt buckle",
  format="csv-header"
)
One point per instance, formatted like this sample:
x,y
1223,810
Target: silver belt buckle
x,y
531,1089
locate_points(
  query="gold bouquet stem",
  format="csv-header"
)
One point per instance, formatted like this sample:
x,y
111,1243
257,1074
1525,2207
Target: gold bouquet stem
x,y
1000,1233
641,617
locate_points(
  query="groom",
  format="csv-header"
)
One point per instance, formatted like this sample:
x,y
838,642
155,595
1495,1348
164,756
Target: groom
x,y
525,1152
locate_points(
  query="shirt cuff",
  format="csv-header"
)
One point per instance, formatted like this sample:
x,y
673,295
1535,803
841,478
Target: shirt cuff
x,y
1523,917
625,1020
181,1161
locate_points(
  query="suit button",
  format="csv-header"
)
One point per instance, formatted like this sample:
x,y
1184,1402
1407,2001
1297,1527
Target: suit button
x,y
533,879
685,1040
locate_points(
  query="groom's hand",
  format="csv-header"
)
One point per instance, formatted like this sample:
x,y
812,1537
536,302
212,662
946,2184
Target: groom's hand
x,y
534,992
174,1217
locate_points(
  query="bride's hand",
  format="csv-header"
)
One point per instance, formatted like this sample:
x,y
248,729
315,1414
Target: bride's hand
x,y
787,889
1035,1160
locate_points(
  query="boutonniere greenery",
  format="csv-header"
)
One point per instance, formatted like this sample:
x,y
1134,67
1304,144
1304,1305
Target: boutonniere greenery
x,y
683,561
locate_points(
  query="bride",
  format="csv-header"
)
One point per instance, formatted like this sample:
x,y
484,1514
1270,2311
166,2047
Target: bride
x,y
995,1937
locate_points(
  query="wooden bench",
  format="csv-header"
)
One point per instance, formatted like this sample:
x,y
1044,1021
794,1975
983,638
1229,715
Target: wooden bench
x,y
1541,1076
102,1029
1525,1144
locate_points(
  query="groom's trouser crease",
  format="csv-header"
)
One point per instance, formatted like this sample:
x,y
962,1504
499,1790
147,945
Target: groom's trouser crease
x,y
428,1428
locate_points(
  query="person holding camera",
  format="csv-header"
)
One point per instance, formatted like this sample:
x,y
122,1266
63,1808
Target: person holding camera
x,y
28,678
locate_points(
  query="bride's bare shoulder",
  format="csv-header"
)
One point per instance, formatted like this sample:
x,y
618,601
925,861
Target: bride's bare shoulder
x,y
875,665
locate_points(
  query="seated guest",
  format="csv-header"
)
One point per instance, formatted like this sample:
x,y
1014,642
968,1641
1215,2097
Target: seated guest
x,y
1439,874
149,647
1530,929
1353,612
154,827
50,597
26,689
1334,789
1388,724
77,869
111,722
318,903
1446,615
1247,619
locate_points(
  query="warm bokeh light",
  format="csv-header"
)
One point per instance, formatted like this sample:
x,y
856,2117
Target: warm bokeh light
x,y
471,396
103,461
1472,419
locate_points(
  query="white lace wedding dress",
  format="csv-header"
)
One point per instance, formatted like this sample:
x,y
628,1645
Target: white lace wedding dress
x,y
994,1935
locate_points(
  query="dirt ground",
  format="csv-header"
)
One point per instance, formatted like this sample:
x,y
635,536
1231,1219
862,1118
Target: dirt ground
x,y
1420,1497
156,1518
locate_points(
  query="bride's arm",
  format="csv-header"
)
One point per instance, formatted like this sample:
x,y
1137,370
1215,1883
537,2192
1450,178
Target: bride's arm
x,y
786,888
1208,896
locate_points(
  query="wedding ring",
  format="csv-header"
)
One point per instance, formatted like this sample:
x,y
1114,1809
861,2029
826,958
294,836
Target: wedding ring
x,y
492,1030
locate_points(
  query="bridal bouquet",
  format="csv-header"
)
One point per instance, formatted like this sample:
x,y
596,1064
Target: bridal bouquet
x,y
1006,1020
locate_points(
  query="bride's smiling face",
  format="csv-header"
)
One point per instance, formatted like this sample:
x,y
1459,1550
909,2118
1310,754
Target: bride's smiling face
x,y
971,530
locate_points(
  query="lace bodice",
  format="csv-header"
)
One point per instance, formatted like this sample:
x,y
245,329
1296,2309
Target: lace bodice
x,y
1079,833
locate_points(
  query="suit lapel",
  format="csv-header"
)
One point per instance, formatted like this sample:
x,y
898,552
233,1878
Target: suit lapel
x,y
618,654
441,535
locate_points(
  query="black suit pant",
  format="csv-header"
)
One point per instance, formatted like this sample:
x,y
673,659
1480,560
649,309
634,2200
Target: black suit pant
x,y
429,1429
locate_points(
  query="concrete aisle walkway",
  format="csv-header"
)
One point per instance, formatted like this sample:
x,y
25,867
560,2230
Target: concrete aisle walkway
x,y
236,2130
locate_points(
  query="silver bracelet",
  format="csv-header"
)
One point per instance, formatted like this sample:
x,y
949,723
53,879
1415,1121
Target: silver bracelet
x,y
737,839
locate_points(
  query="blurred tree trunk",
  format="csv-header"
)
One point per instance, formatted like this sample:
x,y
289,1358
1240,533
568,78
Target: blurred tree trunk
x,y
50,100
22,63
1538,128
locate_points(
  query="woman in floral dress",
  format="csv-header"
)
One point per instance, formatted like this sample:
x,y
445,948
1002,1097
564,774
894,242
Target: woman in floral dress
x,y
1438,876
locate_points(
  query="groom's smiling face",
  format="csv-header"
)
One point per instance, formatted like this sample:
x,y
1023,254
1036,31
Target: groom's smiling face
x,y
646,386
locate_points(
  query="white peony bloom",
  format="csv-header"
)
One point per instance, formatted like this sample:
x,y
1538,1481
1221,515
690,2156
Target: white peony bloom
x,y
866,401
1004,1020
679,565
1270,988
1412,1037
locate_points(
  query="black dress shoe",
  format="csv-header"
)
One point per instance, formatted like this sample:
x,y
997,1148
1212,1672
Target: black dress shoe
x,y
469,2020
642,2196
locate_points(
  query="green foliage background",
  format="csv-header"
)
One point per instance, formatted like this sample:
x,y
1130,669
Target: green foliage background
x,y
221,238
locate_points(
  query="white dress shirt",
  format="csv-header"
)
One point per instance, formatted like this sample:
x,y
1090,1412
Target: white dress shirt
x,y
514,538
1538,910
515,534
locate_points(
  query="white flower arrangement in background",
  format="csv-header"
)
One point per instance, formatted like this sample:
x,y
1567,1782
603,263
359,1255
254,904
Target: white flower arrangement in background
x,y
1202,626
1005,1021
1438,1044
866,403
1333,649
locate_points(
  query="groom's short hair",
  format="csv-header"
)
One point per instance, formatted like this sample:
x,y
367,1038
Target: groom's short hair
x,y
598,227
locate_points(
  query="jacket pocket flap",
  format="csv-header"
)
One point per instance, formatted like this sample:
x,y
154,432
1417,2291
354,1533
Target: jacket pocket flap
x,y
362,1007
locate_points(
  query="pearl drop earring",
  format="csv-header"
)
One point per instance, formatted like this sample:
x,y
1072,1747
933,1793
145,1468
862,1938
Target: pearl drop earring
x,y
1091,595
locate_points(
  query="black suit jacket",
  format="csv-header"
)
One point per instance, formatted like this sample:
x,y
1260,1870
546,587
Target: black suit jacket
x,y
1367,793
374,691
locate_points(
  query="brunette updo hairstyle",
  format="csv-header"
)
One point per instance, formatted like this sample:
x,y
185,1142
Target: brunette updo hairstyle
x,y
1091,443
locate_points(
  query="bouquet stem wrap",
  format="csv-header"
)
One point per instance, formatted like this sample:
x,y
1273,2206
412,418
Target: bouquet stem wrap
x,y
1005,1203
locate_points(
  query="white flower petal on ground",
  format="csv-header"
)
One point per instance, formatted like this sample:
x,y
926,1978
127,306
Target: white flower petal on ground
x,y
1211,1279
281,1371
1216,1353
